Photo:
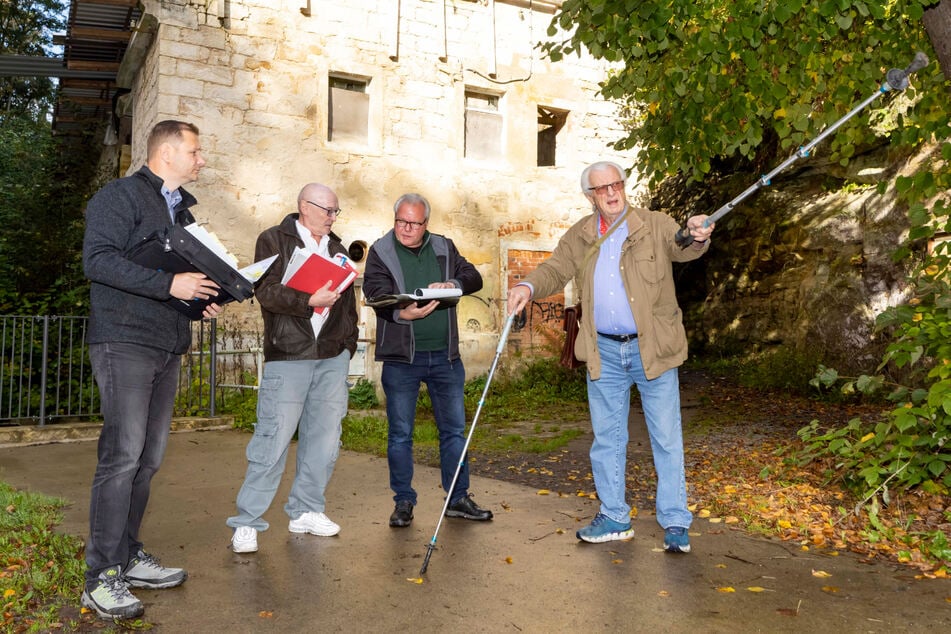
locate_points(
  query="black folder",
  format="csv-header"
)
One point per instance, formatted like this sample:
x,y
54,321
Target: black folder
x,y
175,250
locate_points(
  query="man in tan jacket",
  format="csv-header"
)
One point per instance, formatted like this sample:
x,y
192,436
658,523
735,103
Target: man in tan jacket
x,y
631,333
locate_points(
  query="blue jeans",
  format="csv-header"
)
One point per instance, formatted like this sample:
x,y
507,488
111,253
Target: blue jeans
x,y
609,399
445,381
137,387
307,397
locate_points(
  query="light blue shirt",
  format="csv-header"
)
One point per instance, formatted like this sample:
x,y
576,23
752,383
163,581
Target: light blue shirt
x,y
612,309
171,199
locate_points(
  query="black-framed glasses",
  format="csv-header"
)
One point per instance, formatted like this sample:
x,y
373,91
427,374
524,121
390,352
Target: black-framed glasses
x,y
327,210
603,189
409,224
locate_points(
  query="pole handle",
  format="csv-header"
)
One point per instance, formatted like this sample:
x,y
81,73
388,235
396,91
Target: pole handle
x,y
683,238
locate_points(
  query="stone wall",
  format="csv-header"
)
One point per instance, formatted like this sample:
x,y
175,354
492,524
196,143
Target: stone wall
x,y
254,76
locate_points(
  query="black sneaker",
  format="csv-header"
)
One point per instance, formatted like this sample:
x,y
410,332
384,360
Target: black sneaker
x,y
402,515
110,597
466,508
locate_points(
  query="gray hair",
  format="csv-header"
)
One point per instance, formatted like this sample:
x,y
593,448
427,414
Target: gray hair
x,y
600,166
411,199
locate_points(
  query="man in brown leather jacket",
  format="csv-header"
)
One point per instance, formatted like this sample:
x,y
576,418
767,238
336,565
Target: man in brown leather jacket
x,y
304,386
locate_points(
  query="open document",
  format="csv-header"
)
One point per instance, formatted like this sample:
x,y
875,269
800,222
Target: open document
x,y
420,296
252,272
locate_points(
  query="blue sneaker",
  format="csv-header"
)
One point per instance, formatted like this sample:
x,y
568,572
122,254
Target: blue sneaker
x,y
676,539
603,529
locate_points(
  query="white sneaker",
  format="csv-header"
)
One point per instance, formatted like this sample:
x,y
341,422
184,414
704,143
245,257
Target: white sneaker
x,y
315,524
245,540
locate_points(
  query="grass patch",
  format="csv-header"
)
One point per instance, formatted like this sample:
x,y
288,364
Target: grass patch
x,y
41,571
781,368
536,410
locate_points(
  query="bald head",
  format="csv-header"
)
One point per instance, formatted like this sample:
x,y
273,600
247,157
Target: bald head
x,y
317,206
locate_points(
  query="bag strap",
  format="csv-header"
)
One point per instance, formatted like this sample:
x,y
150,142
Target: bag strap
x,y
597,243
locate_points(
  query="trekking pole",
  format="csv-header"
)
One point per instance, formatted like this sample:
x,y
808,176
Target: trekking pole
x,y
895,79
462,457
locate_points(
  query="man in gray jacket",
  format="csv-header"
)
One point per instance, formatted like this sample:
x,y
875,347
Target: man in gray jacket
x,y
421,344
631,333
135,344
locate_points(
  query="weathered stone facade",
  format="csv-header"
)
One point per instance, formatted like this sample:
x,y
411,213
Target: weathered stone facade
x,y
257,77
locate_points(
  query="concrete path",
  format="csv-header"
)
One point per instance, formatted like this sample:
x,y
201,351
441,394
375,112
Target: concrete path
x,y
523,572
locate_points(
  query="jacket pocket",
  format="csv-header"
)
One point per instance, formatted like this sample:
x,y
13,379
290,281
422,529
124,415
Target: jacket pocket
x,y
669,333
292,335
646,265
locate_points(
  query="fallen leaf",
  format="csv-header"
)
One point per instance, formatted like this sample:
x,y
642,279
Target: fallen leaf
x,y
720,566
9,592
265,614
617,561
756,589
416,580
508,560
830,589
725,589
715,520
704,513
543,492
820,573
663,593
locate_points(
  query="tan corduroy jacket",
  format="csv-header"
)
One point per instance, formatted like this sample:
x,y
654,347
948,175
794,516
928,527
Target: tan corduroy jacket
x,y
646,269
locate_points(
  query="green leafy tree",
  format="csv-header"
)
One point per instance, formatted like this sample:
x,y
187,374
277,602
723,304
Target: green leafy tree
x,y
26,28
713,85
42,183
713,80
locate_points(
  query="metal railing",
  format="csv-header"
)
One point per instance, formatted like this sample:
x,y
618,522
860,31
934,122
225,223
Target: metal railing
x,y
46,376
45,373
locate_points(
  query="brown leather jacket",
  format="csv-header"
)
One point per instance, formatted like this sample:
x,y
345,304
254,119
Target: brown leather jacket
x,y
288,335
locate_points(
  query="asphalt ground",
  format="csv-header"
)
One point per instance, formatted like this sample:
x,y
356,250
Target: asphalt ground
x,y
523,572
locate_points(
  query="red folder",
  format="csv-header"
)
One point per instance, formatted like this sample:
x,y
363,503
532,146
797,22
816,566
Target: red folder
x,y
314,273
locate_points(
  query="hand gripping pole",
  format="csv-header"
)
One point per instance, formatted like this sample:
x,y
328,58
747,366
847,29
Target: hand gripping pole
x,y
895,79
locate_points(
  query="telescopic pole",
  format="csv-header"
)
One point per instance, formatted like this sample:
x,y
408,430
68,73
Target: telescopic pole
x,y
895,79
462,457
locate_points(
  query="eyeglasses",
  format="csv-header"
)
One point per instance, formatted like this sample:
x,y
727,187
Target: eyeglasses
x,y
603,189
409,224
327,210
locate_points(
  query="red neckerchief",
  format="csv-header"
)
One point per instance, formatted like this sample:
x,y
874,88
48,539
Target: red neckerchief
x,y
602,225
